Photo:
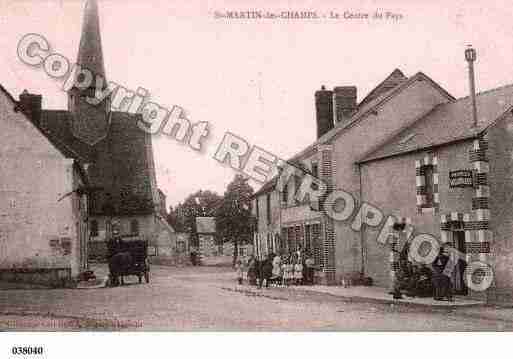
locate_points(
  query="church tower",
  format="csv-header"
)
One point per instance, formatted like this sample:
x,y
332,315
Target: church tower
x,y
90,119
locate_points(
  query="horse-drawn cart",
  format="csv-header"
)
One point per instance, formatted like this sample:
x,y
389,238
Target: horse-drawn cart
x,y
128,256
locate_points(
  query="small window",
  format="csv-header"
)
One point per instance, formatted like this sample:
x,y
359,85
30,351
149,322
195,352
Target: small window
x,y
406,139
290,239
66,246
297,184
134,227
315,170
285,194
308,238
298,238
94,228
429,186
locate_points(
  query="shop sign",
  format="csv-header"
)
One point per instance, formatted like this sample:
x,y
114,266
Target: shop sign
x,y
461,178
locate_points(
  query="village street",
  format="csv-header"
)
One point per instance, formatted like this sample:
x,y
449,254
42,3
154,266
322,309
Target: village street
x,y
207,298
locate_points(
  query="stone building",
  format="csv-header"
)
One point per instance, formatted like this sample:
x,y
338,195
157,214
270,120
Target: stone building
x,y
43,199
119,154
266,209
452,179
206,230
412,160
346,131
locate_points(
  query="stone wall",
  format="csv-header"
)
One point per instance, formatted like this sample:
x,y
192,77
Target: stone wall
x,y
390,185
37,221
370,133
500,155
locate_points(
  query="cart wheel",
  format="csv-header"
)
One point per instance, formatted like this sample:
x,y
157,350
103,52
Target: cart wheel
x,y
140,279
147,277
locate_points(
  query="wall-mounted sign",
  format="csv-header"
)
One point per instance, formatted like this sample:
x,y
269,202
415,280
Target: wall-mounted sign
x,y
461,178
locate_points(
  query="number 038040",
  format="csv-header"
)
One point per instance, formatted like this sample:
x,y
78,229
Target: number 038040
x,y
27,350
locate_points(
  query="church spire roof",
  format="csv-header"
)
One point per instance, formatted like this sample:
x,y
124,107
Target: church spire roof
x,y
90,54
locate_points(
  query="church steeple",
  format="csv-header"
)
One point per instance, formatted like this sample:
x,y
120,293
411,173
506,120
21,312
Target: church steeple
x,y
90,120
90,54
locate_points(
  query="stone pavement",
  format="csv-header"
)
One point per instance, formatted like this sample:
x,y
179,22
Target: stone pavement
x,y
208,298
372,295
378,294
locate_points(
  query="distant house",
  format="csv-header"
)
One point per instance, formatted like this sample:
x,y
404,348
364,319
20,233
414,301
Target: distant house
x,y
206,229
43,198
266,209
226,249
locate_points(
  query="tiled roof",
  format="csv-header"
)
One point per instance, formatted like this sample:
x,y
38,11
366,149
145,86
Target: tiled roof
x,y
205,225
384,93
391,85
271,184
123,166
395,78
266,187
447,123
61,144
56,125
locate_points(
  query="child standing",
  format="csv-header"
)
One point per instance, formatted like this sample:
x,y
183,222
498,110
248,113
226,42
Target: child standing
x,y
238,269
298,272
286,272
277,272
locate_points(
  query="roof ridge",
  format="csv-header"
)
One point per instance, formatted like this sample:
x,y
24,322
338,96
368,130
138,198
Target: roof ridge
x,y
374,91
358,116
484,92
399,132
2,88
391,146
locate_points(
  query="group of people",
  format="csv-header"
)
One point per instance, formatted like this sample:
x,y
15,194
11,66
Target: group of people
x,y
425,281
280,270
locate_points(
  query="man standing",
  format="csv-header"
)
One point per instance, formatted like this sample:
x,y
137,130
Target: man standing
x,y
441,282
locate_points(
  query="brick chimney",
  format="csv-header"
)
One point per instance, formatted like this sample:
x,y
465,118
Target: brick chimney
x,y
344,102
324,110
31,105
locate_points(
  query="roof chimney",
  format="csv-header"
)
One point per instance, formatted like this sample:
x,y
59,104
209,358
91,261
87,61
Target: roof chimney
x,y
470,56
344,102
31,106
324,110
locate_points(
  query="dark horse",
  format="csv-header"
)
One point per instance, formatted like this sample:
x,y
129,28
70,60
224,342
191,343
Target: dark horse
x,y
119,265
264,271
128,258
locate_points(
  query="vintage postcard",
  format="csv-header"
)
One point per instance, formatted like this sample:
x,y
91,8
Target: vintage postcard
x,y
255,166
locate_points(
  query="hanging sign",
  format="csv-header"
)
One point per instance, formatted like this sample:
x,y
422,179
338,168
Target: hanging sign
x,y
461,178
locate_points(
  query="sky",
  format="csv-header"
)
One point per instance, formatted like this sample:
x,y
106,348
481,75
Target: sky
x,y
257,78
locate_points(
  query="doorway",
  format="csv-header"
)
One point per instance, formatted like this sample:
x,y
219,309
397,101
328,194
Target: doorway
x,y
457,276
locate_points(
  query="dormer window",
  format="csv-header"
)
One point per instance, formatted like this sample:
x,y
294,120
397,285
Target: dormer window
x,y
406,139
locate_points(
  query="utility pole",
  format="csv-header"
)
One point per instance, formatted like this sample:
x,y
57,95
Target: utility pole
x,y
470,56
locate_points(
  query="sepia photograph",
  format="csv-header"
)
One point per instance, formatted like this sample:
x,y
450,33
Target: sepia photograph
x,y
253,166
